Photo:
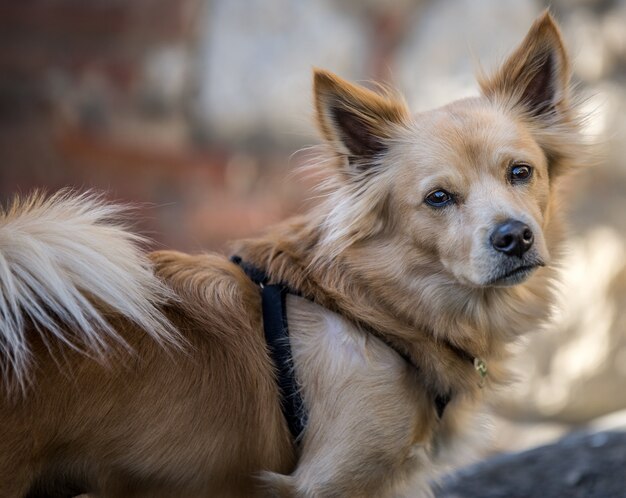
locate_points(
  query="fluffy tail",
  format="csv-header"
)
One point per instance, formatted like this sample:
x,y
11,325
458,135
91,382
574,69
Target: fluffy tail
x,y
66,260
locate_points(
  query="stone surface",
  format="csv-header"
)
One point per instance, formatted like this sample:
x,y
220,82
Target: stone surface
x,y
578,466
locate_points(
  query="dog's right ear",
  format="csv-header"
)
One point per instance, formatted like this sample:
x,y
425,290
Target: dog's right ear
x,y
354,120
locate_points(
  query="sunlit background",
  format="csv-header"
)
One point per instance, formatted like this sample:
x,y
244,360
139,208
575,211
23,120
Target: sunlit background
x,y
195,109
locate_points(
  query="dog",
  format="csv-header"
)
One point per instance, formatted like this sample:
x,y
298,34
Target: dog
x,y
133,374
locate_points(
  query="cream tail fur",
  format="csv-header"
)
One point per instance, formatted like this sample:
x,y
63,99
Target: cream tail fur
x,y
65,262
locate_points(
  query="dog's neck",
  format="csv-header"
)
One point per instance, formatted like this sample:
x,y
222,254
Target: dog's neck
x,y
440,329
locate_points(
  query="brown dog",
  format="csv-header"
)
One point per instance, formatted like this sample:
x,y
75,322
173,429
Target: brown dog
x,y
150,376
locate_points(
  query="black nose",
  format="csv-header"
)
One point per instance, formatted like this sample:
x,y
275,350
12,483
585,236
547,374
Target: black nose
x,y
513,238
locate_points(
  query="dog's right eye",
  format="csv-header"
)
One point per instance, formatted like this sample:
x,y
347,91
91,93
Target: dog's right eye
x,y
439,198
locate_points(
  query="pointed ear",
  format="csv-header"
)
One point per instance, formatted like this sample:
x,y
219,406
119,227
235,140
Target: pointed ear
x,y
536,75
355,121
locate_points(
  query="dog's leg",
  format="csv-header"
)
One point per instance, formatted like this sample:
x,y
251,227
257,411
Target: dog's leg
x,y
279,486
394,476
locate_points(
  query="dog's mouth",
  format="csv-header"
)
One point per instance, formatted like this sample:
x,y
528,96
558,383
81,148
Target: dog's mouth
x,y
515,276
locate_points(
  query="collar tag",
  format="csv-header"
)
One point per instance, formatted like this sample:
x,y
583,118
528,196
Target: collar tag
x,y
481,367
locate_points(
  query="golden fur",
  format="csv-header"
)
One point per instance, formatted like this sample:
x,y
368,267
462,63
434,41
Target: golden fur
x,y
378,266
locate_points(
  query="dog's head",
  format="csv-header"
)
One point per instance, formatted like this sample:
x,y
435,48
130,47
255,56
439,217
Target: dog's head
x,y
466,187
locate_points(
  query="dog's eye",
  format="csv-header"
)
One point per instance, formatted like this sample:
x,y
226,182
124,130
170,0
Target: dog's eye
x,y
439,198
520,173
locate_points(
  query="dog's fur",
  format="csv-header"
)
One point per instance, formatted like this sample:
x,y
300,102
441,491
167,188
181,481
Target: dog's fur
x,y
157,383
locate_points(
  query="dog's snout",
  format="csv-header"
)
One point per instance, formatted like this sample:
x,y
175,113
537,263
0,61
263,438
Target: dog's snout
x,y
513,238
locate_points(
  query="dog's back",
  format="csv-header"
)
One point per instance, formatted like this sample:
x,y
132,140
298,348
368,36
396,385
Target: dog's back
x,y
144,413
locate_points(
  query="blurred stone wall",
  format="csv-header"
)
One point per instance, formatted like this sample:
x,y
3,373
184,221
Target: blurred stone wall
x,y
100,94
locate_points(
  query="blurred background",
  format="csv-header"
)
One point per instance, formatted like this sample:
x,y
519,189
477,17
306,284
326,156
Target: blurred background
x,y
195,110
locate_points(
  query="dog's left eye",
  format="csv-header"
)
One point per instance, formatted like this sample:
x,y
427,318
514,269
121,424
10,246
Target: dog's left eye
x,y
439,198
520,173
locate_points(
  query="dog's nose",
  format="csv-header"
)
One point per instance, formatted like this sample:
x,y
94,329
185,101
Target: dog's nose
x,y
513,238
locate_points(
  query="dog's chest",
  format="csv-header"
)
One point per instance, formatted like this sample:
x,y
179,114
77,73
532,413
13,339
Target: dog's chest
x,y
368,417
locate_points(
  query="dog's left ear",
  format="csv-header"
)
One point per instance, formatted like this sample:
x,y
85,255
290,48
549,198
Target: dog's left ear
x,y
356,121
536,76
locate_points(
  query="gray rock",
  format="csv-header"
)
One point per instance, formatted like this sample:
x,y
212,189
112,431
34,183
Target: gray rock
x,y
581,465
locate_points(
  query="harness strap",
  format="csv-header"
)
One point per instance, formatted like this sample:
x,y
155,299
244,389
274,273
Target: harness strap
x,y
276,330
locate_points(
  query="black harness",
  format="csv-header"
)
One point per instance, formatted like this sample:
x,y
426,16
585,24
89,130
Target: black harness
x,y
276,329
